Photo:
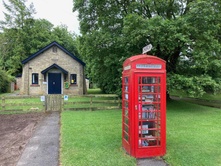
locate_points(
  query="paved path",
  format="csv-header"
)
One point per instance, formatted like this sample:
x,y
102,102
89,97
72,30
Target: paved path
x,y
43,147
151,162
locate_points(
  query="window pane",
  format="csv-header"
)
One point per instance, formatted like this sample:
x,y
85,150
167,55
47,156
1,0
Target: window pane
x,y
35,78
73,79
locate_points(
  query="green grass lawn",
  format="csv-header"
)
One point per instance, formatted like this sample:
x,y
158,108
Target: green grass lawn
x,y
19,104
94,91
206,96
94,138
193,135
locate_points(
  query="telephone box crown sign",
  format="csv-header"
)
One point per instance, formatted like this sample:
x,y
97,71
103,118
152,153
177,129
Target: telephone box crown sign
x,y
144,61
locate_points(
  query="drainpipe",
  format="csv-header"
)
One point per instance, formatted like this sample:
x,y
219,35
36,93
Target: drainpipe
x,y
28,80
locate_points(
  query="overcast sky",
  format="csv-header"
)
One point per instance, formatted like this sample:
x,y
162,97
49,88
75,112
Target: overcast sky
x,y
56,11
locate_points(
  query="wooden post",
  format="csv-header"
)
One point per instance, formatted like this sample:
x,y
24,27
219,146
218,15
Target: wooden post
x,y
46,103
119,102
91,103
62,103
3,103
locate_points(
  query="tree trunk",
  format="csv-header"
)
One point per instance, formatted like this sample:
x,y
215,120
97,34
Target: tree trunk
x,y
168,96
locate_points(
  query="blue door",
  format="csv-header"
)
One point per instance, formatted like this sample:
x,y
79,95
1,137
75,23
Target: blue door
x,y
54,83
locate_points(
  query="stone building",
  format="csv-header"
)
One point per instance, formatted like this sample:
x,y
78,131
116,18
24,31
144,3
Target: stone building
x,y
53,70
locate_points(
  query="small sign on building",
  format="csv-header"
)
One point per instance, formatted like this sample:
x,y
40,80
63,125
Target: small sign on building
x,y
65,97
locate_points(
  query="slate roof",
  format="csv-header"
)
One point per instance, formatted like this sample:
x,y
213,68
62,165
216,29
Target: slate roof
x,y
49,46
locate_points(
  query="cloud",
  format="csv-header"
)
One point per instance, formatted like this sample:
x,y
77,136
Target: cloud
x,y
56,11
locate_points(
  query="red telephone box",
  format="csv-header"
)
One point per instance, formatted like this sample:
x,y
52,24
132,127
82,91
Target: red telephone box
x,y
144,106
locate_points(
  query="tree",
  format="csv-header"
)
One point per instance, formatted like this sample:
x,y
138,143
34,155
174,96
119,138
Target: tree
x,y
16,26
185,33
65,38
39,35
3,51
5,79
101,41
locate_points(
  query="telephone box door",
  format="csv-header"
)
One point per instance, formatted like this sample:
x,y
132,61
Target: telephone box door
x,y
150,115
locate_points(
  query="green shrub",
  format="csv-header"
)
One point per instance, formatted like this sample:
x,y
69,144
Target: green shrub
x,y
4,81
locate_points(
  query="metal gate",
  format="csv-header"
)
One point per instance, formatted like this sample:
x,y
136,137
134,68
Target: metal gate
x,y
53,103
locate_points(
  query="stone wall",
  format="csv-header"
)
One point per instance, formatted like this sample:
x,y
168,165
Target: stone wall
x,y
18,83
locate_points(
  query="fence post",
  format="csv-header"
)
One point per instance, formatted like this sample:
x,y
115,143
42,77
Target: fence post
x,y
3,103
62,103
91,103
45,104
119,102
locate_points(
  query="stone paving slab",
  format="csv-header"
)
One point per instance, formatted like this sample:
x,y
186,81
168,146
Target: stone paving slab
x,y
151,162
43,148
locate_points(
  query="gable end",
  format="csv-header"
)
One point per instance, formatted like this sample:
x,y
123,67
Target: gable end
x,y
49,46
54,66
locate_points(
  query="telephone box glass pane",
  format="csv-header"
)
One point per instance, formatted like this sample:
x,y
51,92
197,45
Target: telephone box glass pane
x,y
126,110
149,100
